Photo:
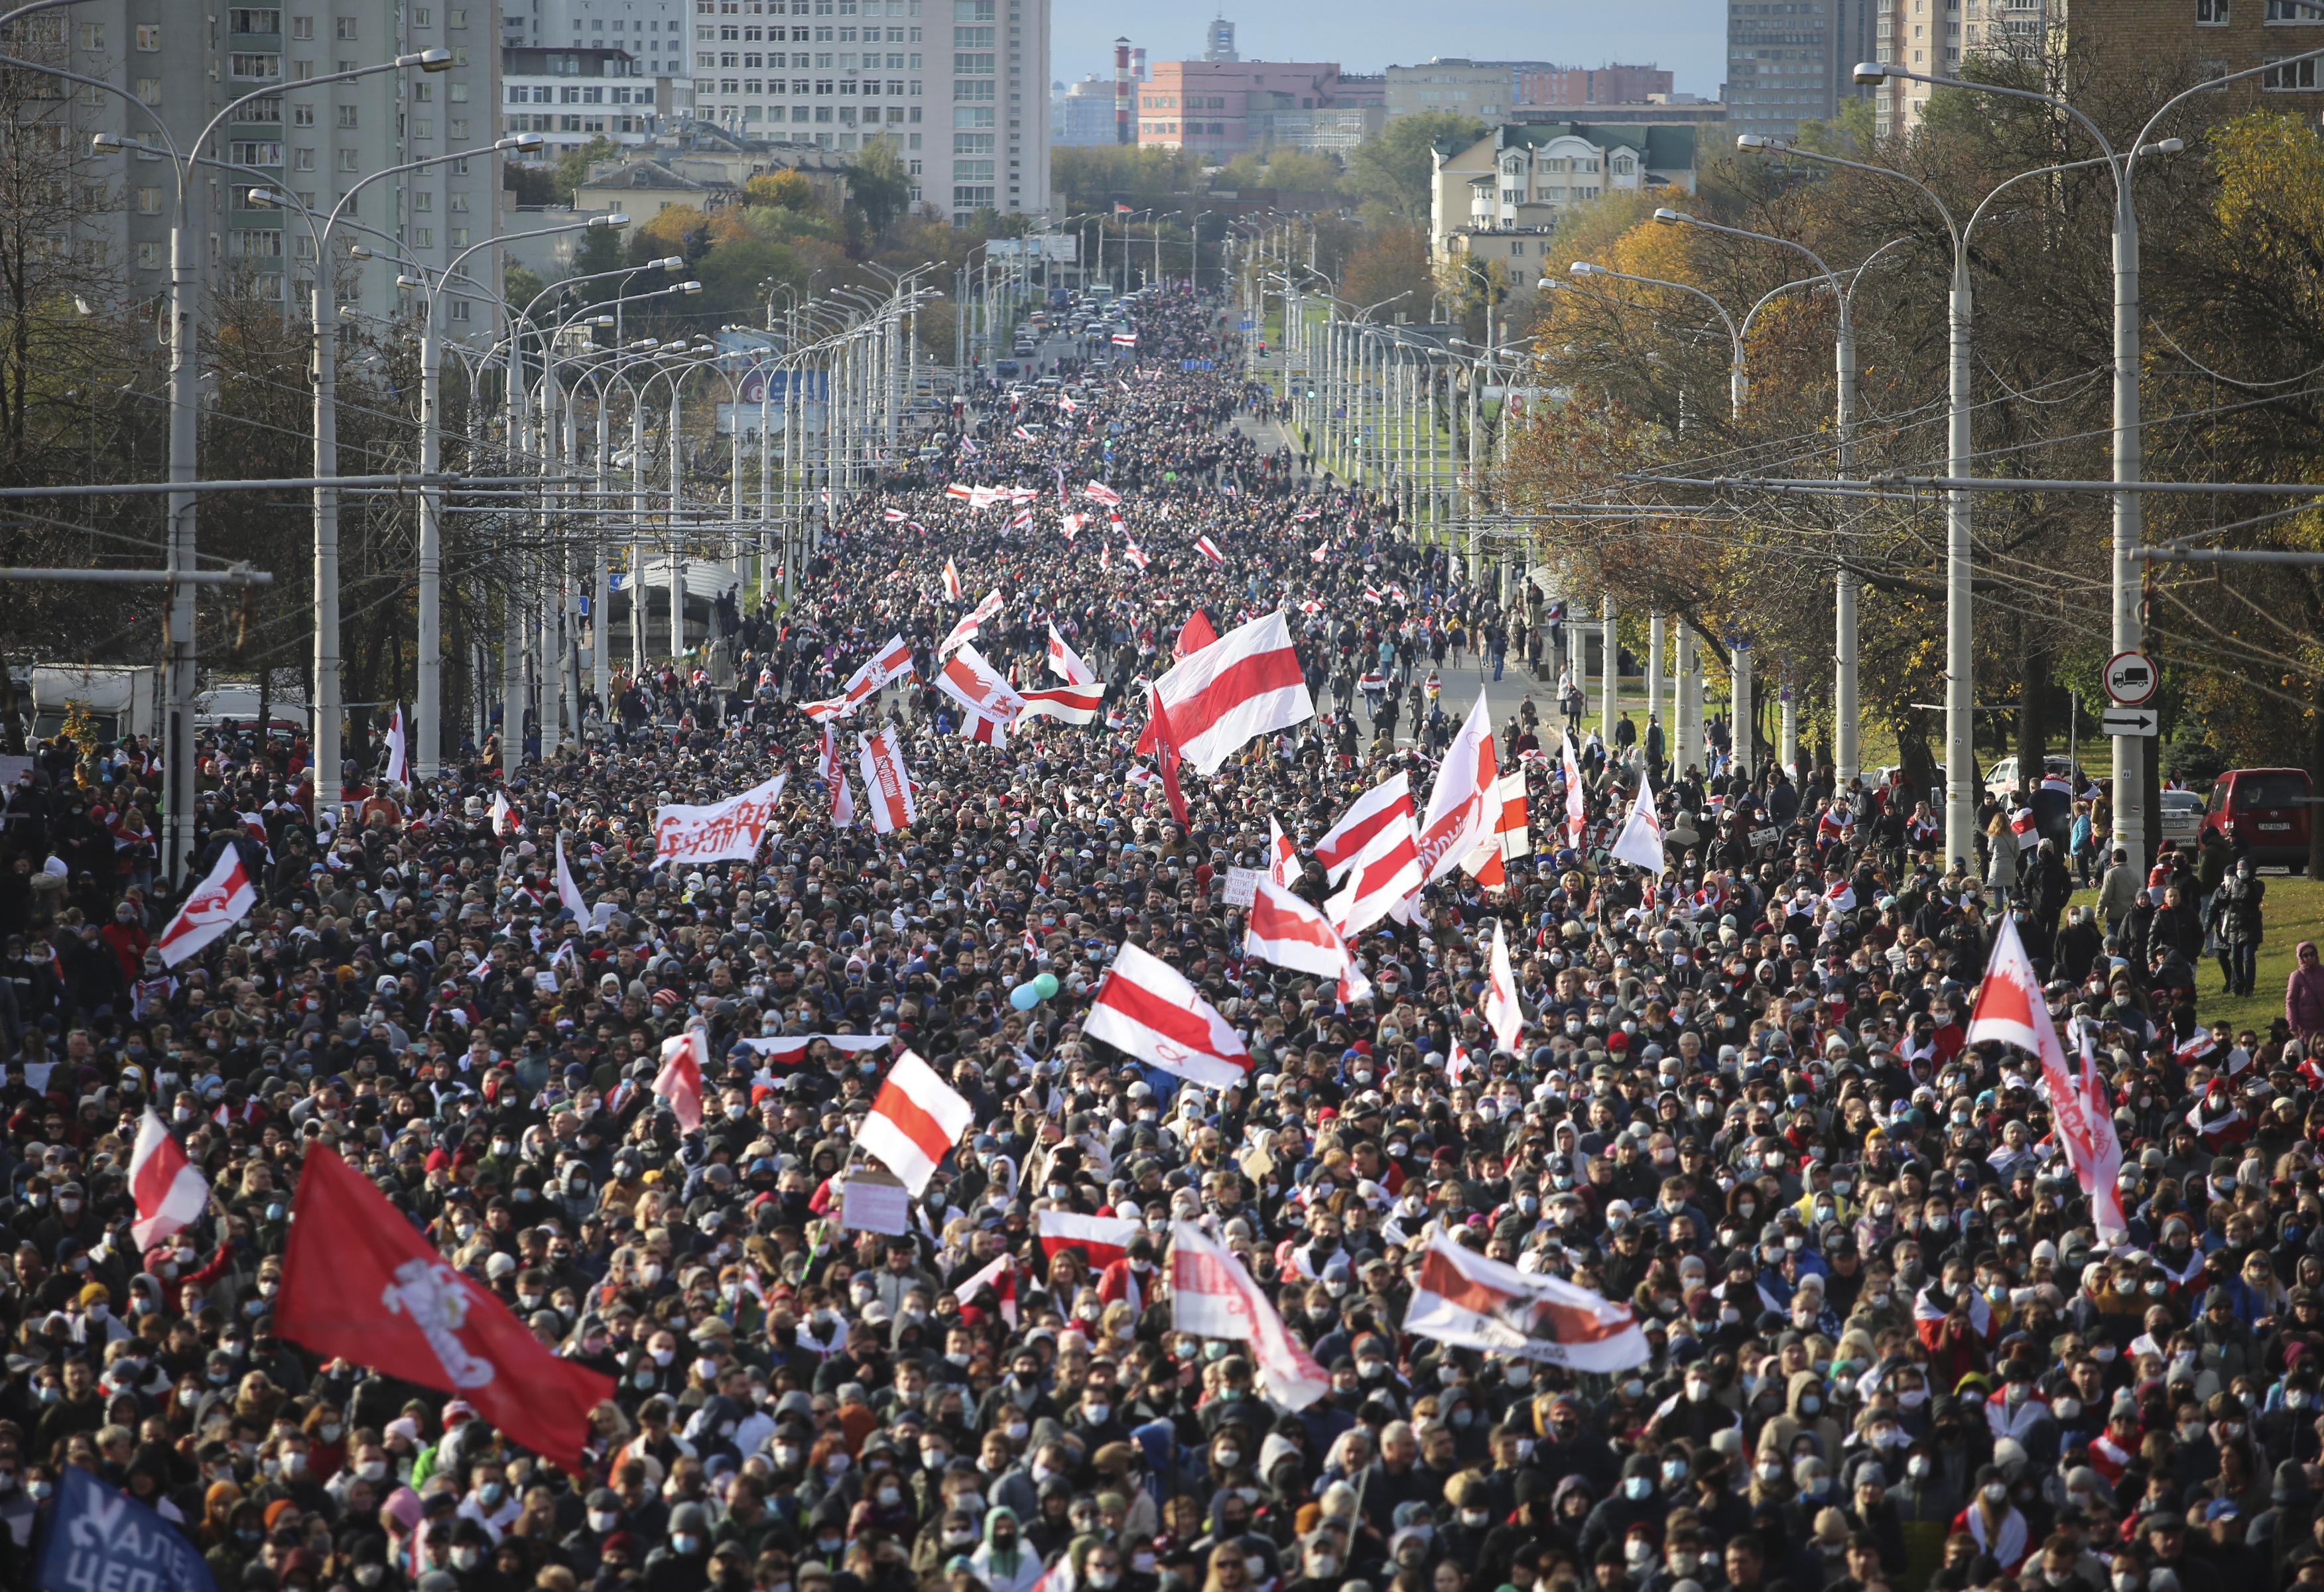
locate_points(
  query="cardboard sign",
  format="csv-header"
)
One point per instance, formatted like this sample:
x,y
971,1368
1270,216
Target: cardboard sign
x,y
1765,837
1242,886
874,1201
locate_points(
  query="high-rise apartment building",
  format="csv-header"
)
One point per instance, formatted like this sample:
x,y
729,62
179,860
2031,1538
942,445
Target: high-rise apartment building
x,y
1784,64
181,65
1218,41
961,86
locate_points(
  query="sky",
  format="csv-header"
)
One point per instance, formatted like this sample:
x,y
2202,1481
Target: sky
x,y
1688,37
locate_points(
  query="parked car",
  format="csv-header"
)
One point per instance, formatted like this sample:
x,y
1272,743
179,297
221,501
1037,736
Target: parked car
x,y
2183,816
2001,780
2266,810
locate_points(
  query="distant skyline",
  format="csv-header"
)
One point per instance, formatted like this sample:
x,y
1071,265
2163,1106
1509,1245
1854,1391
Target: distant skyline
x,y
1686,37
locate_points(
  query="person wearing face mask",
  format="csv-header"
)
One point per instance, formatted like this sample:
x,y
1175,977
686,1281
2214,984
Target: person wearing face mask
x,y
1924,1501
1001,1560
1637,1500
681,1562
1568,1445
1992,1521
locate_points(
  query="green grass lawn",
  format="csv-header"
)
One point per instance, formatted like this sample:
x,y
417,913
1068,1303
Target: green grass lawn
x,y
2293,911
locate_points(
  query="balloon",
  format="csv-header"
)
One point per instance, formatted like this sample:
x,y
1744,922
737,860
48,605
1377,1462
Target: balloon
x,y
1024,997
1047,985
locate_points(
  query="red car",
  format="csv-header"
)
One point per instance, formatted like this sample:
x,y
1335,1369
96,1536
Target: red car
x,y
2266,810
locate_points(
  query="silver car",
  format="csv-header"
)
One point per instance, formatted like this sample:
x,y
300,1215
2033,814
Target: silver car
x,y
2183,816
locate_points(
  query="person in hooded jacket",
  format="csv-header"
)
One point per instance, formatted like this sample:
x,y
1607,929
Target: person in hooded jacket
x,y
1003,1562
1638,1498
682,1562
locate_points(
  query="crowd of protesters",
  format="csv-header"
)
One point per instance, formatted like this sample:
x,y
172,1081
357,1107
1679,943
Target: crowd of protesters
x,y
1887,1346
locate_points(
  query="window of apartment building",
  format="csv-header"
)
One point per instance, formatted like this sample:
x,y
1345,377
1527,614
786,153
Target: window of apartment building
x,y
344,29
423,237
92,35
249,19
347,161
256,68
302,115
2294,11
249,152
2290,76
149,36
149,91
2211,13
302,159
348,118
149,201
149,256
302,27
459,309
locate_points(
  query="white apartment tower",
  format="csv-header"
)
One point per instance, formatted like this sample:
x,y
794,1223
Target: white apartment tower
x,y
182,64
961,86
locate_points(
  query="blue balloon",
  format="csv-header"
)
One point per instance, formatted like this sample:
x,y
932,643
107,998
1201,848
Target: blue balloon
x,y
1024,997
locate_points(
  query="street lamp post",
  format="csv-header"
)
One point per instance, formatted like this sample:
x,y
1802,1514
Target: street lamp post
x,y
178,815
1844,699
2130,759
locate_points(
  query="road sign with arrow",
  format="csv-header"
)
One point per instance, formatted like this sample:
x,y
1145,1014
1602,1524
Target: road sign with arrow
x,y
2129,720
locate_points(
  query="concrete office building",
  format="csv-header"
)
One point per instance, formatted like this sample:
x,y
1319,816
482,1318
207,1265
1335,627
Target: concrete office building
x,y
1488,90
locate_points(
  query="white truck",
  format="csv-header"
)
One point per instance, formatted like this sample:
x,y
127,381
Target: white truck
x,y
125,699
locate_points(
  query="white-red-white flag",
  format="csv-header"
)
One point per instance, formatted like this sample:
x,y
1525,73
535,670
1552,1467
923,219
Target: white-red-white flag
x,y
952,588
568,892
972,682
915,1121
679,1082
1503,1014
1075,705
1462,812
1282,856
2011,1009
835,779
1001,1276
1209,550
218,903
1289,932
891,660
970,622
1383,878
1104,1238
169,1191
1474,1303
1640,844
504,815
984,727
2105,1148
1247,683
399,750
1066,664
1213,1296
1100,491
1133,552
1146,1008
1380,805
886,781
